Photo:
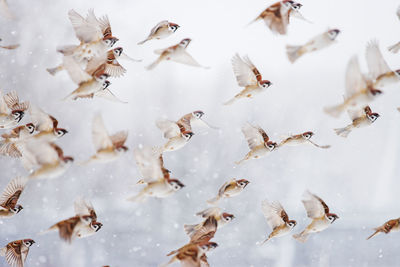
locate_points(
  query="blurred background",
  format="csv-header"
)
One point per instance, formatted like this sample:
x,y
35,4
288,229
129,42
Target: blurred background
x,y
358,177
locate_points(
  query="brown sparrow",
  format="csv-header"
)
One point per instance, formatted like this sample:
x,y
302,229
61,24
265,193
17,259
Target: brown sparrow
x,y
16,252
175,53
396,47
17,135
162,30
96,83
277,219
277,15
258,142
359,89
108,148
10,196
229,189
387,227
11,110
176,133
46,125
192,254
195,117
105,94
379,71
82,225
43,159
247,76
318,211
222,219
298,139
154,175
360,118
319,42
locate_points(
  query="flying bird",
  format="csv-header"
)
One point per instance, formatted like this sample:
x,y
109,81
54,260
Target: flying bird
x,y
16,252
388,227
162,30
10,197
298,139
229,189
249,77
360,118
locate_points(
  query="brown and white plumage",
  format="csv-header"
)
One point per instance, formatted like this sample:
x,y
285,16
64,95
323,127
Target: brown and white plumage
x,y
277,219
11,110
319,212
8,146
155,176
16,252
396,47
229,189
258,142
10,196
247,76
191,255
359,118
388,227
108,147
162,30
176,133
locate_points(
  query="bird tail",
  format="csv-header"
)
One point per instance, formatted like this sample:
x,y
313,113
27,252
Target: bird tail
x,y
377,231
294,52
154,64
51,229
242,160
343,132
230,101
55,70
265,241
141,197
214,201
170,262
251,22
302,237
142,42
190,228
394,48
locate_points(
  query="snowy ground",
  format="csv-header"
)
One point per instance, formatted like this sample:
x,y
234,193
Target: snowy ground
x,y
357,177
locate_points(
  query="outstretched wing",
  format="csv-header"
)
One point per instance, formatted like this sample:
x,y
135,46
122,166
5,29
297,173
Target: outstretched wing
x,y
243,70
101,139
253,136
12,192
315,206
169,128
376,63
355,81
150,164
274,213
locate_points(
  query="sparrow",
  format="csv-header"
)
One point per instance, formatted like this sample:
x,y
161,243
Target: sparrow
x,y
387,227
222,219
277,219
108,148
162,30
9,47
192,254
249,77
5,10
154,175
360,118
95,38
318,211
108,63
379,71
298,139
176,133
44,160
94,84
17,135
359,89
319,42
10,196
195,117
277,15
258,142
206,231
396,47
82,225
105,94
175,53
46,125
11,110
16,252
229,189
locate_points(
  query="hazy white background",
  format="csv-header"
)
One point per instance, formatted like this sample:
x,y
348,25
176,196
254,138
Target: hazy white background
x,y
357,177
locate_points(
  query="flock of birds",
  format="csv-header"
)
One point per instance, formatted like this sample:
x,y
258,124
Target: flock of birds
x,y
94,60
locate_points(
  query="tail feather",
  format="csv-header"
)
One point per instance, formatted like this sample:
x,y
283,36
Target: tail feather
x,y
251,22
231,101
55,70
141,197
3,252
343,132
142,42
214,201
377,231
394,48
294,52
242,160
51,229
154,64
302,237
265,241
189,228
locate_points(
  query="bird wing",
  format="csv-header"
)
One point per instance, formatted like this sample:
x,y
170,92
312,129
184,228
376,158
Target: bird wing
x,y
184,58
86,30
12,192
253,136
314,206
169,128
158,26
84,208
272,212
41,120
13,254
355,80
3,105
243,70
376,63
75,70
118,139
150,164
101,139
